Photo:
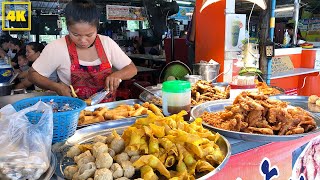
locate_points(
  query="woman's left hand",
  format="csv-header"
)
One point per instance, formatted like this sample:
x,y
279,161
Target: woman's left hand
x,y
112,83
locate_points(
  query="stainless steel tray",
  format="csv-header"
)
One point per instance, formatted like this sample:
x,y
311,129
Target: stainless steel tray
x,y
114,104
85,135
147,97
219,106
300,101
50,171
111,105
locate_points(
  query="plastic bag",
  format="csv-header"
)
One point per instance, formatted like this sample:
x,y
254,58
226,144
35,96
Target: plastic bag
x,y
25,148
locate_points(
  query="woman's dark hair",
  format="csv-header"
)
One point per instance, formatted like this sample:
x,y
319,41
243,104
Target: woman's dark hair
x,y
36,47
22,53
16,42
78,11
289,26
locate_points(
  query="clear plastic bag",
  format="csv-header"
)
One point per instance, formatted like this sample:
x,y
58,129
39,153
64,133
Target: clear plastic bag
x,y
25,148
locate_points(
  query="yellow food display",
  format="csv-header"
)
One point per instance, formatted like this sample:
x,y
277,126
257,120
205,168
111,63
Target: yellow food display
x,y
170,142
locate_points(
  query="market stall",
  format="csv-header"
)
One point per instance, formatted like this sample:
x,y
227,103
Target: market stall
x,y
266,155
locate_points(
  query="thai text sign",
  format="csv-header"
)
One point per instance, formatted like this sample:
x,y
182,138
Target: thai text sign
x,y
115,12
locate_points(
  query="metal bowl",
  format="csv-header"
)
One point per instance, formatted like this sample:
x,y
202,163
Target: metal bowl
x,y
192,78
219,105
86,135
5,89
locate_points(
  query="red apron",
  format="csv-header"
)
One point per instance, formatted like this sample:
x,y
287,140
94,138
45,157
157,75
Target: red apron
x,y
87,80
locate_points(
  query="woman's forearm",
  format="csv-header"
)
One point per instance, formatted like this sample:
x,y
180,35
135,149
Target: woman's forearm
x,y
41,81
24,84
23,74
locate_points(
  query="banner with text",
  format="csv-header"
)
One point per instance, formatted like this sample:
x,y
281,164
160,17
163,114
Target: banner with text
x,y
115,12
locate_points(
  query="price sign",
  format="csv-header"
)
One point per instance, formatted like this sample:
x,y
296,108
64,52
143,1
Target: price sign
x,y
281,64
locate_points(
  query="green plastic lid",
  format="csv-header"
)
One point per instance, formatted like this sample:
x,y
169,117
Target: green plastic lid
x,y
176,86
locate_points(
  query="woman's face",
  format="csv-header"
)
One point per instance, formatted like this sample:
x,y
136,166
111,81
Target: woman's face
x,y
22,61
82,34
31,54
290,32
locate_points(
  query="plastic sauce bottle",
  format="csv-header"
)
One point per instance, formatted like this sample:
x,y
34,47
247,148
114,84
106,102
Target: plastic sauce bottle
x,y
176,96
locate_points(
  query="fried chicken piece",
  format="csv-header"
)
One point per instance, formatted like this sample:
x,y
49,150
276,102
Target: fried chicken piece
x,y
297,130
263,124
252,105
253,117
226,115
277,103
229,125
261,130
244,126
258,96
239,118
272,115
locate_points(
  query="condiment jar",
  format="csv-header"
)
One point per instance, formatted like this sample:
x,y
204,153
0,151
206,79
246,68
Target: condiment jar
x,y
176,96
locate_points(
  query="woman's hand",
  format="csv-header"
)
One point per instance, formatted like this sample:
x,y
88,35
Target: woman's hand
x,y
63,89
112,83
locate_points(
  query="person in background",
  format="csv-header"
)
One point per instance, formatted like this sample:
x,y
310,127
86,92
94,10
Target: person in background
x,y
23,61
290,28
15,46
83,58
33,51
138,48
5,45
191,36
3,53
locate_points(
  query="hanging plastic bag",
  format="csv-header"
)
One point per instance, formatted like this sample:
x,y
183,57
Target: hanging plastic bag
x,y
25,148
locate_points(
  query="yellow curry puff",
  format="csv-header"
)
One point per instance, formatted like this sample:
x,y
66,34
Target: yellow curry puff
x,y
256,113
155,147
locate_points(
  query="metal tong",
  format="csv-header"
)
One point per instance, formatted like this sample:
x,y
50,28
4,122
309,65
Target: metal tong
x,y
95,98
145,89
99,96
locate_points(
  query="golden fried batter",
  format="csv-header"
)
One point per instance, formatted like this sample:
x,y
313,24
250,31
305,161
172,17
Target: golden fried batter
x,y
254,113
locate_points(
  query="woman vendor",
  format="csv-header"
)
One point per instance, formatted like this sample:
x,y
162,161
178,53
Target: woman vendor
x,y
83,58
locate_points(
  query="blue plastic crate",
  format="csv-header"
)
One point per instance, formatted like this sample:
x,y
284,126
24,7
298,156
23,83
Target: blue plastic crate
x,y
65,123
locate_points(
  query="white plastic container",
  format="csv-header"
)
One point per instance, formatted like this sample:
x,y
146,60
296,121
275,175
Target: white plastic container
x,y
176,96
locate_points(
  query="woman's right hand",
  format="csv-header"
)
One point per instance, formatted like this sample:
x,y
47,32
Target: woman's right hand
x,y
63,89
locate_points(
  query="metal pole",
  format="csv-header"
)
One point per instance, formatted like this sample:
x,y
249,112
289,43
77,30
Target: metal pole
x,y
172,43
271,35
296,21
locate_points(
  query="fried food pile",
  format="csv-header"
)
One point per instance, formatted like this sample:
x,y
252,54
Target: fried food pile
x,y
265,89
169,147
256,113
103,159
102,114
308,163
157,101
203,91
